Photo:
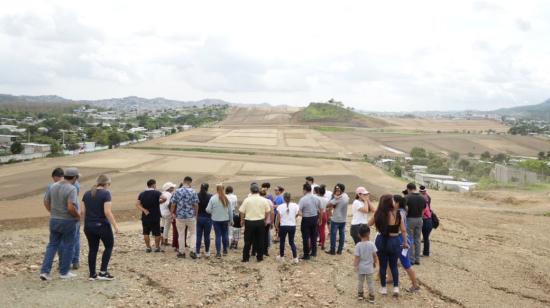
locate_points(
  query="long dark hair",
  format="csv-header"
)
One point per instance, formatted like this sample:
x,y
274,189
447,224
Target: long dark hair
x,y
402,202
385,206
287,196
203,193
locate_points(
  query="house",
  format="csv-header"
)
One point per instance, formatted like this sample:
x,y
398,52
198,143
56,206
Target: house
x,y
385,163
509,174
419,169
450,185
7,139
157,133
427,179
137,130
32,148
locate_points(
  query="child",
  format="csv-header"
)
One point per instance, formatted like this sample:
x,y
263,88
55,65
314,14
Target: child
x,y
365,262
236,229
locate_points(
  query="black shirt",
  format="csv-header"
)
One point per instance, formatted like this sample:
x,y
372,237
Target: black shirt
x,y
203,203
150,200
415,205
95,207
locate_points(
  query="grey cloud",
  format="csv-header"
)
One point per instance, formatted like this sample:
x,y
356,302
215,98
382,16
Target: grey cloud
x,y
523,25
486,6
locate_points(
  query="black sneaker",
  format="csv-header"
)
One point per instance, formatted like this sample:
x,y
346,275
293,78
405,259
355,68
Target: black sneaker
x,y
105,276
218,256
339,253
93,277
148,250
193,255
180,255
304,258
330,252
371,298
76,266
360,296
158,250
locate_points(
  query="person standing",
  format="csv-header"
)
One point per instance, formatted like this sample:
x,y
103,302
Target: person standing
x,y
400,203
235,227
60,200
390,225
359,208
286,220
254,211
184,205
98,223
269,221
167,191
365,262
427,222
222,213
279,199
415,207
311,181
322,230
204,221
148,203
339,206
311,212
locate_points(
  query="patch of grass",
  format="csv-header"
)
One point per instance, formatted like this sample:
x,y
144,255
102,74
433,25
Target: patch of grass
x,y
333,129
489,184
547,214
204,150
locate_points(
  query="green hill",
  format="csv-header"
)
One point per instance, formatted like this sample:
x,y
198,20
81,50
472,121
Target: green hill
x,y
333,114
534,112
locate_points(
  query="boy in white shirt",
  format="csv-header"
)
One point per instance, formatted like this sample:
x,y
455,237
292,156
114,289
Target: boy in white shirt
x,y
365,262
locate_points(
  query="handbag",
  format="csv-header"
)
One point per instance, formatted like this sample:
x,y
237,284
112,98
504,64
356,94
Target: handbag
x,y
435,220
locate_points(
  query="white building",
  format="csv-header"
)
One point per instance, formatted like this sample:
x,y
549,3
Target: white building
x,y
32,148
449,185
427,179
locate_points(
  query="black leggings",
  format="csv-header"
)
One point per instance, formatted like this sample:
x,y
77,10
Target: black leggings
x,y
96,232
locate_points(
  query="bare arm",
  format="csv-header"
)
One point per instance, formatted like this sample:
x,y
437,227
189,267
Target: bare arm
x,y
356,263
173,208
374,260
141,208
371,221
72,209
196,209
107,209
47,206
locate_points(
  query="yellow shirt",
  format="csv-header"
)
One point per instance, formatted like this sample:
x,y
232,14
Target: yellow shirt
x,y
255,207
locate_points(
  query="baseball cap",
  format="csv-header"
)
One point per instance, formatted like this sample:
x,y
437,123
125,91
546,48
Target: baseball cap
x,y
361,191
168,185
71,172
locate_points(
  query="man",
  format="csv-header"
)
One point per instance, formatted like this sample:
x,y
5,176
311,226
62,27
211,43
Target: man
x,y
311,212
415,206
60,200
185,206
149,204
311,181
254,211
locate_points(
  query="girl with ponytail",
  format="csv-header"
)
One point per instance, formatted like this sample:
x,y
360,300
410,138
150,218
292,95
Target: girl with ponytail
x,y
286,219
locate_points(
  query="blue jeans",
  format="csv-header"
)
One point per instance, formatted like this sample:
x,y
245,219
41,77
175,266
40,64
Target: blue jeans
x,y
427,227
283,231
204,227
62,237
341,227
221,228
389,250
76,247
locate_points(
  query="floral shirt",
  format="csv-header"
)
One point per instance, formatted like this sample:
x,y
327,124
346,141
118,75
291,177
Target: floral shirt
x,y
185,198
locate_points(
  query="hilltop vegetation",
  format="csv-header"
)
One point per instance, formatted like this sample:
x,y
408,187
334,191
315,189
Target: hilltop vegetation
x,y
534,112
334,113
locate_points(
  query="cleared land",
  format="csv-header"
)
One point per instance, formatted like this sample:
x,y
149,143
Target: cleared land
x,y
491,248
444,125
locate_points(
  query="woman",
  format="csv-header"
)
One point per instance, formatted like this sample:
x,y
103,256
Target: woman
x,y
360,208
219,207
390,225
427,222
286,220
204,221
320,192
168,188
339,206
98,220
401,204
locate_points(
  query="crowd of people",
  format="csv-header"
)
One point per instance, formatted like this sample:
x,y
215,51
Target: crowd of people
x,y
266,216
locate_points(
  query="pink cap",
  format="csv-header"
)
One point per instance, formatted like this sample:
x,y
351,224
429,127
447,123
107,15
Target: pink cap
x,y
361,191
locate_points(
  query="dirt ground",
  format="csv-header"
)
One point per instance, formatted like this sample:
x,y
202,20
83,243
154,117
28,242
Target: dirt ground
x,y
490,251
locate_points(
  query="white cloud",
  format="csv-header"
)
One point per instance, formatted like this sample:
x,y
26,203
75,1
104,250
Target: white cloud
x,y
371,54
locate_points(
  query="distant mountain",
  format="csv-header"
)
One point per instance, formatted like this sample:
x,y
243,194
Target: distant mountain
x,y
536,112
115,103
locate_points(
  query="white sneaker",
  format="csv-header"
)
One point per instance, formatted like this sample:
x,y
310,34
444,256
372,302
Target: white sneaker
x,y
383,291
296,260
207,254
45,277
395,291
280,259
69,275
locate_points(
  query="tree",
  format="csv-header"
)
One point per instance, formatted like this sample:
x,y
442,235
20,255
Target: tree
x,y
454,156
541,155
114,138
470,154
485,155
418,152
464,164
500,158
398,171
438,165
16,147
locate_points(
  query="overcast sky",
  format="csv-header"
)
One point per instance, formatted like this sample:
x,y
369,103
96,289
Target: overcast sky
x,y
372,55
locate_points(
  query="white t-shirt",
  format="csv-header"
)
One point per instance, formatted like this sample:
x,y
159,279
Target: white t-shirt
x,y
288,218
233,202
165,207
328,195
358,216
324,202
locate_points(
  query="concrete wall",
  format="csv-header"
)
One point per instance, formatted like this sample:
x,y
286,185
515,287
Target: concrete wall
x,y
508,174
